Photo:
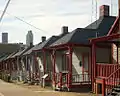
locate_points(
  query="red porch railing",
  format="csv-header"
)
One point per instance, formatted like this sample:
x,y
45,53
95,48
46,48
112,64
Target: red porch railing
x,y
112,81
81,78
62,79
105,70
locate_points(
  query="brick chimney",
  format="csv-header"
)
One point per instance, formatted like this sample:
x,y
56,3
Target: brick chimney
x,y
104,10
43,38
64,29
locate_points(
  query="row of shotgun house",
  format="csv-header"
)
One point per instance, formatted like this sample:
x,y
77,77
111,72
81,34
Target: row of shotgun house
x,y
65,58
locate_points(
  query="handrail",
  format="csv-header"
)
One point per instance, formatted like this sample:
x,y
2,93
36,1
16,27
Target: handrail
x,y
105,70
113,73
105,64
112,80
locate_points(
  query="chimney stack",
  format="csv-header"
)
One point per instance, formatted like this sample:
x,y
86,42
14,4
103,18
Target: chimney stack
x,y
64,29
104,10
43,38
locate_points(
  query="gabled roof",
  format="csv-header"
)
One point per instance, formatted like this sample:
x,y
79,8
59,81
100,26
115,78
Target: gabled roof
x,y
3,57
43,44
81,35
30,50
77,36
21,52
10,56
47,42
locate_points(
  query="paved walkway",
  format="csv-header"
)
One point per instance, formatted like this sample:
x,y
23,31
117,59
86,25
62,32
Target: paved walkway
x,y
9,89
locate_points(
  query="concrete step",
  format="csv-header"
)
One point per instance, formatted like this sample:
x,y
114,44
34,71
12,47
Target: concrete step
x,y
116,89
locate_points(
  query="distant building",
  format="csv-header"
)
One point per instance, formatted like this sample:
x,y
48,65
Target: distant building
x,y
4,37
29,38
10,48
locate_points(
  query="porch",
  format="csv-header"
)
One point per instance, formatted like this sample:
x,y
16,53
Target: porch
x,y
106,74
71,67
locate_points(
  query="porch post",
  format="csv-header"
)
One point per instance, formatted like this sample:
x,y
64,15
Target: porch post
x,y
53,63
103,87
93,74
117,53
35,63
70,68
44,60
26,63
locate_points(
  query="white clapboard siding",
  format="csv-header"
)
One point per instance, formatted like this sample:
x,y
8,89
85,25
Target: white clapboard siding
x,y
77,58
58,62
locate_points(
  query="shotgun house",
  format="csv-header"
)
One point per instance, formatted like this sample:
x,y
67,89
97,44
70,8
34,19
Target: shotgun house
x,y
106,75
31,63
71,55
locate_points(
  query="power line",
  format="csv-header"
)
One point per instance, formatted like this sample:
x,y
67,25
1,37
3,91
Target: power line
x,y
28,23
4,10
18,18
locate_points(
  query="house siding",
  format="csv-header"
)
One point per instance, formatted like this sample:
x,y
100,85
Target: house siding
x,y
103,55
48,62
77,57
58,61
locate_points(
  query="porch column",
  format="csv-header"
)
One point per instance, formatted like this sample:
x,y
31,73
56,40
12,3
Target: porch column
x,y
26,63
93,74
35,63
70,67
53,64
117,54
44,60
9,65
18,65
32,67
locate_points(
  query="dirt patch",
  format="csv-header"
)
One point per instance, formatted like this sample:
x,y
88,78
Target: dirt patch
x,y
49,92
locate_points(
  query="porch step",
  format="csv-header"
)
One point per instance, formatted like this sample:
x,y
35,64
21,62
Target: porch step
x,y
115,91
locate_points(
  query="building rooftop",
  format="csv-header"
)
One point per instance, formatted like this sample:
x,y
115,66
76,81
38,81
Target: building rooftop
x,y
98,28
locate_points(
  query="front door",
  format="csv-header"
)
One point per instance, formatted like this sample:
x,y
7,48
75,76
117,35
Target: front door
x,y
86,66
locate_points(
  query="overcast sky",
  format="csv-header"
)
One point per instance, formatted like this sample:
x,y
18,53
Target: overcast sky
x,y
48,15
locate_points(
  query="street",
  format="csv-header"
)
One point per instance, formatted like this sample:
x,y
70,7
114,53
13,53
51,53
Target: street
x,y
10,89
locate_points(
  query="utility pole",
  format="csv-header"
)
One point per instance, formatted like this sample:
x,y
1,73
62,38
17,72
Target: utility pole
x,y
4,10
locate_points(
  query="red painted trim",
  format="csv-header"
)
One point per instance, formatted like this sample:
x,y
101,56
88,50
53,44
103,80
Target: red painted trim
x,y
103,87
44,61
83,65
114,26
53,58
93,65
117,55
70,50
89,64
105,38
62,46
112,53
